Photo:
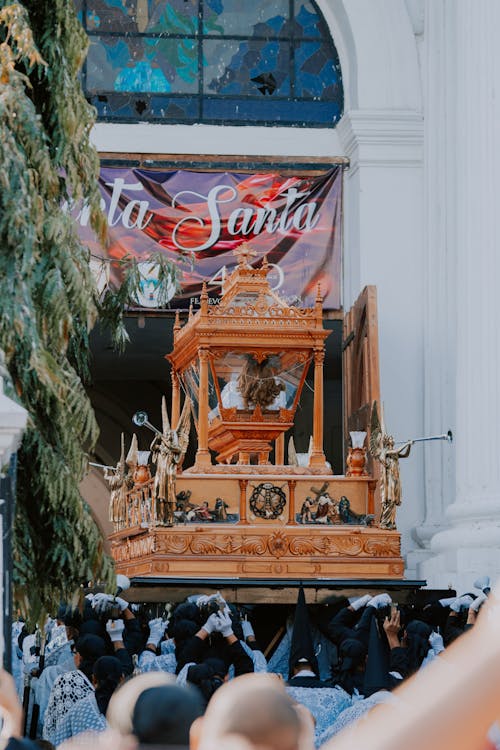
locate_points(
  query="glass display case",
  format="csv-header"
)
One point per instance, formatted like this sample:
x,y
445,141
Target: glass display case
x,y
244,363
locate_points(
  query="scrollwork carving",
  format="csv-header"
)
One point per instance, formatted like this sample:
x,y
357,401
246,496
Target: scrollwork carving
x,y
309,546
347,545
252,545
208,546
382,547
175,544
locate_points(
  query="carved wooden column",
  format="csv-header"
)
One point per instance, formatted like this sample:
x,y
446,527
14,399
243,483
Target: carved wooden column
x,y
279,450
203,454
176,400
372,486
291,502
243,500
317,457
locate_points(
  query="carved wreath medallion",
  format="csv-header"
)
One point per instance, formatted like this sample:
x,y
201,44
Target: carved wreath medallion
x,y
267,501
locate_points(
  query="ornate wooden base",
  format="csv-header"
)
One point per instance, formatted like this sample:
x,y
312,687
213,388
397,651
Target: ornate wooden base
x,y
258,551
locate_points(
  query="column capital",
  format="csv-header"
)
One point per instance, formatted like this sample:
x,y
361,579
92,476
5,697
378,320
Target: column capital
x,y
378,137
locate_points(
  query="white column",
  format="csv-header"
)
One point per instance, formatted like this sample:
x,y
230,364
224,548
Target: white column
x,y
383,219
471,544
439,302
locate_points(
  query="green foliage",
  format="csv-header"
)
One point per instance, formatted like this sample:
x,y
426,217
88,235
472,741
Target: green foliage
x,y
115,299
48,300
48,297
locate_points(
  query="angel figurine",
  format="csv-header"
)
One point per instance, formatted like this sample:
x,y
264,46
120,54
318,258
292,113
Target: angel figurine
x,y
120,482
168,450
382,448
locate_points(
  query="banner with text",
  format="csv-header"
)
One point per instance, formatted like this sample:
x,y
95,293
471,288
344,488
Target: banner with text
x,y
199,218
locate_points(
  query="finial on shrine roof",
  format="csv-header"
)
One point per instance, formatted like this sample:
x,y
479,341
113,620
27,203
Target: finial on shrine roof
x,y
319,303
204,298
177,321
265,264
190,314
244,252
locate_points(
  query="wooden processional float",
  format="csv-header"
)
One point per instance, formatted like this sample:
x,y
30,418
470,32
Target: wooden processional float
x,y
240,512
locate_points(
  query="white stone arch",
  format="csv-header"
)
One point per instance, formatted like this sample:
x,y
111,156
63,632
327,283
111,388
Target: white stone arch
x,y
377,51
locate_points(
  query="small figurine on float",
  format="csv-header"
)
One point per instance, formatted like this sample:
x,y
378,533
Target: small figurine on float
x,y
221,509
200,513
168,450
119,481
305,515
346,515
382,448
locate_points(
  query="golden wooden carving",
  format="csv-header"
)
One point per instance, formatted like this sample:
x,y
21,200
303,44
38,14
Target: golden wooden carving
x,y
243,364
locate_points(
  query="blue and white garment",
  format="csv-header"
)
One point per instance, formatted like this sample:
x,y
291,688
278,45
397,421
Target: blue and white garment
x,y
17,657
353,713
84,716
325,704
278,663
167,646
149,662
58,649
432,654
68,689
258,658
42,687
182,676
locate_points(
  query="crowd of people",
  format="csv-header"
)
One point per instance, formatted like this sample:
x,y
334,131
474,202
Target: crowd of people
x,y
104,675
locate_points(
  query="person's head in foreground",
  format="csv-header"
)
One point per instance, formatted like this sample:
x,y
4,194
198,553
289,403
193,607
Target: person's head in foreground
x,y
255,709
163,715
122,704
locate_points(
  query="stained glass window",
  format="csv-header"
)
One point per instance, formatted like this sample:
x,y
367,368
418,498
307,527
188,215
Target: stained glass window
x,y
269,62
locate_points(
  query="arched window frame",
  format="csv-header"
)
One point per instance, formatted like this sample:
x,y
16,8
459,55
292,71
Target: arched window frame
x,y
259,107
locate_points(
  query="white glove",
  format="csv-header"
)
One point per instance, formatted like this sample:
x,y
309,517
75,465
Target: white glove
x,y
436,642
212,624
360,602
156,630
101,603
482,583
246,626
225,624
89,598
461,602
447,602
114,629
477,602
379,601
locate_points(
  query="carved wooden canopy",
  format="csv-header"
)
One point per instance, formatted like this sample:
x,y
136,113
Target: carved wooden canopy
x,y
244,362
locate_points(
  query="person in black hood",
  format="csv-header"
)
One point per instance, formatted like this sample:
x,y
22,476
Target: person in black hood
x,y
350,671
303,669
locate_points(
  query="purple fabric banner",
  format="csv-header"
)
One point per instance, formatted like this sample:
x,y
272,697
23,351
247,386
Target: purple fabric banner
x,y
198,218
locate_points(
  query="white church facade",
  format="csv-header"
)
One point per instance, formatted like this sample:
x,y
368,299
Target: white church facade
x,y
418,128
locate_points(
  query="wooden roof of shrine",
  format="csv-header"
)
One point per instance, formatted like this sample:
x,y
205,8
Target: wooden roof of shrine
x,y
250,317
